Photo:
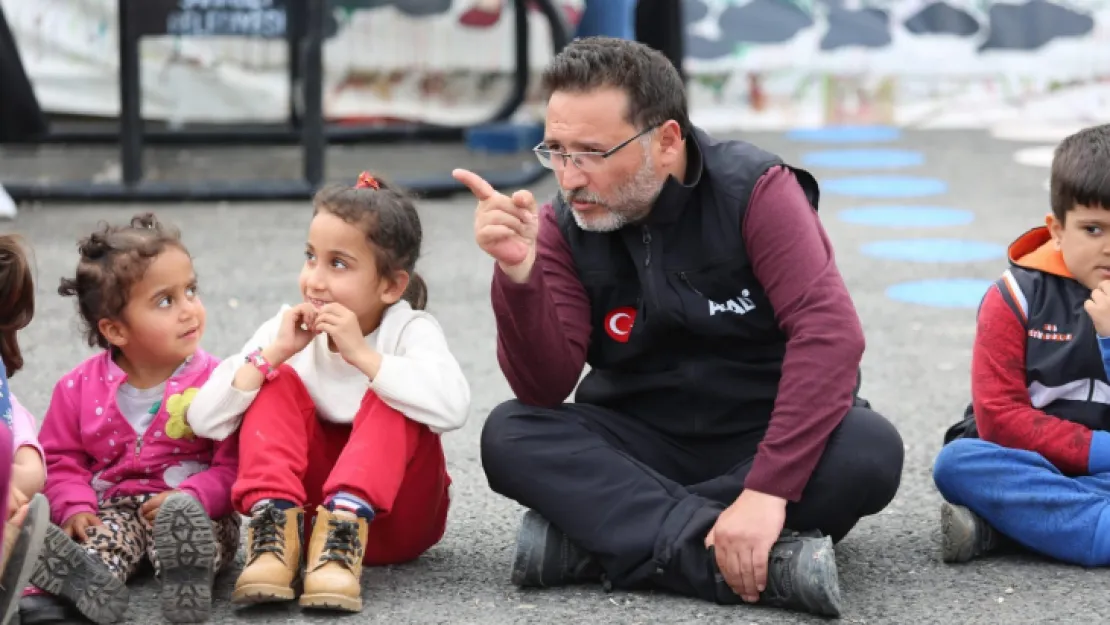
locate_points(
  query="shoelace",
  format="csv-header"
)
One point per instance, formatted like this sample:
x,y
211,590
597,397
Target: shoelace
x,y
342,543
268,527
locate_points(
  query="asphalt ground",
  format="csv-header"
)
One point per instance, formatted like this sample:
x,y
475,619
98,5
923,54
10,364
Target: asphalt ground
x,y
915,373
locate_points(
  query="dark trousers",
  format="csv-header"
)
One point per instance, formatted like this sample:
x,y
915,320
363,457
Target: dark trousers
x,y
642,502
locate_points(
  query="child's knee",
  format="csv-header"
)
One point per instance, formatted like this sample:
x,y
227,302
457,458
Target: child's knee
x,y
950,469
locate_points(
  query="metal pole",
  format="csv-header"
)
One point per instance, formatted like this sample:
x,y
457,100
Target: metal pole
x,y
313,139
294,35
130,98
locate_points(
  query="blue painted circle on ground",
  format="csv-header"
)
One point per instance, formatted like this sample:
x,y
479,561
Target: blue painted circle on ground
x,y
845,134
906,216
863,159
935,250
941,293
886,186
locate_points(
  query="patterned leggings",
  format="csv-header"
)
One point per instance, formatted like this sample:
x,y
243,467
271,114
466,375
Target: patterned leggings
x,y
126,537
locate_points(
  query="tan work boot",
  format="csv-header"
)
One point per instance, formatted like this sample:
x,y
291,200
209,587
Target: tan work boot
x,y
333,568
273,560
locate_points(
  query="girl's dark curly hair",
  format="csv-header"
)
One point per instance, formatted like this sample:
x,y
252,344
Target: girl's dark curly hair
x,y
114,259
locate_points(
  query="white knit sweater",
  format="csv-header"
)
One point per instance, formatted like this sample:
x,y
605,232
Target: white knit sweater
x,y
419,377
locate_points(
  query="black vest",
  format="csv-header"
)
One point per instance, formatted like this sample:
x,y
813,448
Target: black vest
x,y
1063,365
684,336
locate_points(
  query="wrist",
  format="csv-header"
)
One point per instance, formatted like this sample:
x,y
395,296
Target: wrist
x,y
263,362
1098,458
275,355
522,271
369,361
755,494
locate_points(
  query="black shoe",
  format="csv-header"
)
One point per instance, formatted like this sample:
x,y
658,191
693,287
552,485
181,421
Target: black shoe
x,y
802,575
185,542
22,546
35,609
965,535
67,571
545,557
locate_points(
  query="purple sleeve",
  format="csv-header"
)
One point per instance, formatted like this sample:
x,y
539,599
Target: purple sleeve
x,y
543,325
792,258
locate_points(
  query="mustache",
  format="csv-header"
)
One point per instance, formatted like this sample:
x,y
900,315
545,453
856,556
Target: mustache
x,y
581,195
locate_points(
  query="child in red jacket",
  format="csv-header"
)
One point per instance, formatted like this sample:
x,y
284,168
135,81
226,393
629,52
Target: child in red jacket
x,y
1031,461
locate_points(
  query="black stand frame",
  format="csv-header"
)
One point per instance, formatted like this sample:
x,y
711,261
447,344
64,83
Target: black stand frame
x,y
309,128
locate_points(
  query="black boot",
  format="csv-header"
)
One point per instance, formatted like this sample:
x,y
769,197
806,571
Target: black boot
x,y
21,550
67,571
801,576
545,557
36,609
185,542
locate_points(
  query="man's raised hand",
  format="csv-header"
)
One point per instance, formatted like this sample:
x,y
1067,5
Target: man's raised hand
x,y
504,227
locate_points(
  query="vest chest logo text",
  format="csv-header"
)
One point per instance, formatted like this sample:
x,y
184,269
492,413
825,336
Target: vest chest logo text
x,y
618,323
737,305
1050,332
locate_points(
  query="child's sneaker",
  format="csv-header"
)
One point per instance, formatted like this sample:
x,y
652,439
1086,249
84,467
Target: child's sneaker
x,y
964,534
273,556
66,570
186,546
22,546
333,569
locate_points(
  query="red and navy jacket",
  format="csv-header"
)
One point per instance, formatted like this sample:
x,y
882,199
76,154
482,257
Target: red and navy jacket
x,y
1038,381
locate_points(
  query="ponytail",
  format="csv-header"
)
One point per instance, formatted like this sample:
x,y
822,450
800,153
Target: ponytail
x,y
416,294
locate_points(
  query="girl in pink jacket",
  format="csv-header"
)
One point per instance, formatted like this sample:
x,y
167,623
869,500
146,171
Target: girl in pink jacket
x,y
22,470
126,476
17,308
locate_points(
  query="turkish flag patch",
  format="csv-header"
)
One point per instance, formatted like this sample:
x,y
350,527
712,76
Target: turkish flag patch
x,y
618,323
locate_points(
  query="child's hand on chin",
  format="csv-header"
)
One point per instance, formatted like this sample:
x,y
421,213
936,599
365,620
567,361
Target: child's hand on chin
x,y
1098,307
341,325
296,331
76,525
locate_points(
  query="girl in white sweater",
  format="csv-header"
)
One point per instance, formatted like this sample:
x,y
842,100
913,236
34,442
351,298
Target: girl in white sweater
x,y
339,402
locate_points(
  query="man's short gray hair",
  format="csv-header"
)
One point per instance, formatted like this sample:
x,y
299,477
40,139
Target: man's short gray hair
x,y
654,87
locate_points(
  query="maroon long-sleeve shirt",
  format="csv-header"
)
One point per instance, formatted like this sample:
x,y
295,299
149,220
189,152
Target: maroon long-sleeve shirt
x,y
543,329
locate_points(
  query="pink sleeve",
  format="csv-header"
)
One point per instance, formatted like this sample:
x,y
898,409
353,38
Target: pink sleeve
x,y
212,487
68,465
23,428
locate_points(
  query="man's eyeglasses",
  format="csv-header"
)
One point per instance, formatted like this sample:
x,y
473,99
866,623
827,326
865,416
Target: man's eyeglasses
x,y
585,161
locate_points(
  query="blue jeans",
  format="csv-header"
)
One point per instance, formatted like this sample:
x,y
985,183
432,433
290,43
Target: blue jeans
x,y
1025,497
609,18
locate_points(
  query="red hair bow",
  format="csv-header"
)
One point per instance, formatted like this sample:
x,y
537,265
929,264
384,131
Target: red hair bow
x,y
366,181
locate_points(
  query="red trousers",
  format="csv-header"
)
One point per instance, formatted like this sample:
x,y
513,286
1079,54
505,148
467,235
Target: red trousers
x,y
393,463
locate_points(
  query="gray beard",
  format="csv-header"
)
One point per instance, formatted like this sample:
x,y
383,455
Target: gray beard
x,y
630,203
